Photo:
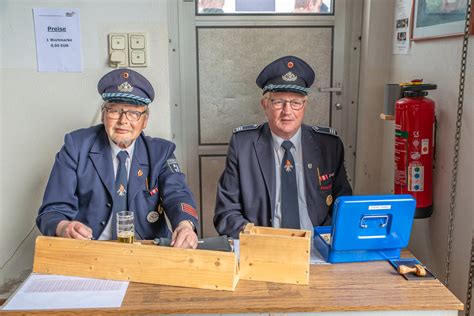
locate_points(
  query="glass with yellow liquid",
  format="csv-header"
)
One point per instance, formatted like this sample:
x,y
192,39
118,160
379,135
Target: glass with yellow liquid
x,y
125,227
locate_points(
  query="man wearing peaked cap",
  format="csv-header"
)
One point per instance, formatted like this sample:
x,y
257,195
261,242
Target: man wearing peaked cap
x,y
113,167
281,173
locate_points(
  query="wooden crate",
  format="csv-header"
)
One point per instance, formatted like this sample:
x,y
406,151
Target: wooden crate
x,y
275,255
136,262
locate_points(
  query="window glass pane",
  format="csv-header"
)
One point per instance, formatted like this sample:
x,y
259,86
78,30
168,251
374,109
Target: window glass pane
x,y
264,6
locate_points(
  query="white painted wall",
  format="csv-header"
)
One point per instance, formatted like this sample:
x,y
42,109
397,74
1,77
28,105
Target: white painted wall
x,y
436,61
37,109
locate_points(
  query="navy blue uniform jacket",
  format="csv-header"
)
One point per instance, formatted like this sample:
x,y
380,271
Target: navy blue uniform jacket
x,y
246,189
81,185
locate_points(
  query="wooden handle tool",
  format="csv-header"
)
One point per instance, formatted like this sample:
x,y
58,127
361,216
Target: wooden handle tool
x,y
417,269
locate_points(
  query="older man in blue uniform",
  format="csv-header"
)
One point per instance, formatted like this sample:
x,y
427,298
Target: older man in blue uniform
x,y
281,173
112,167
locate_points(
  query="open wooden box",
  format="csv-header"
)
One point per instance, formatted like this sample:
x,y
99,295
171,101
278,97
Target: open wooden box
x,y
275,254
143,263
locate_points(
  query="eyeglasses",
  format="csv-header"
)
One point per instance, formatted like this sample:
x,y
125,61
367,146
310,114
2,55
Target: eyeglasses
x,y
296,104
115,114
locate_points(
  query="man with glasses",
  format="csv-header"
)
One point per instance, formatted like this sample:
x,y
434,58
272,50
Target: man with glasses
x,y
281,173
113,167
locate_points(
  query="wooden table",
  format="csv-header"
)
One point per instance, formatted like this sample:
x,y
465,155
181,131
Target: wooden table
x,y
368,288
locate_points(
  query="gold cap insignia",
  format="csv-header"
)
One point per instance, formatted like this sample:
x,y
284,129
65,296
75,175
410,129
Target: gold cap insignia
x,y
125,87
289,76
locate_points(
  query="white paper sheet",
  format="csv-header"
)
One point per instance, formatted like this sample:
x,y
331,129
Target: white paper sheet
x,y
401,34
58,40
41,291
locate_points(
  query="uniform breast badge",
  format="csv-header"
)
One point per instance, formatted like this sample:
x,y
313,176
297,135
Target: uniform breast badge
x,y
153,191
288,166
152,217
121,190
329,200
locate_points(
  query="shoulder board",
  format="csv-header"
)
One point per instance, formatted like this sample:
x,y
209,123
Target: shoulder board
x,y
246,128
325,130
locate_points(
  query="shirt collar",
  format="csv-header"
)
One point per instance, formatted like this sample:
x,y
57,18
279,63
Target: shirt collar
x,y
296,140
116,149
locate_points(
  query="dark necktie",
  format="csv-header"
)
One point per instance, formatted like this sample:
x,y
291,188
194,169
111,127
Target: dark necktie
x,y
120,192
290,214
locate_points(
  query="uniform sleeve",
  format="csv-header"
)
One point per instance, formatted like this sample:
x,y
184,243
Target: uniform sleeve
x,y
178,201
228,217
60,201
341,186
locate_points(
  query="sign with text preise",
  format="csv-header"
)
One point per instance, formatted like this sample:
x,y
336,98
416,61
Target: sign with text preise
x,y
58,39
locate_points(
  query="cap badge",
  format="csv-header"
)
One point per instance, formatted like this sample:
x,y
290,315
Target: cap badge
x,y
125,75
125,87
290,64
289,76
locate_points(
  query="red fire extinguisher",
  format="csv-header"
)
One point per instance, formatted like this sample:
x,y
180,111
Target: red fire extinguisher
x,y
414,145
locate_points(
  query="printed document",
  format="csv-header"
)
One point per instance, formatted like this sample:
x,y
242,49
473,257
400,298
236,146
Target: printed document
x,y
41,291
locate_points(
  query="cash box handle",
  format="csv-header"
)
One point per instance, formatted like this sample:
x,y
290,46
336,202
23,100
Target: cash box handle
x,y
367,217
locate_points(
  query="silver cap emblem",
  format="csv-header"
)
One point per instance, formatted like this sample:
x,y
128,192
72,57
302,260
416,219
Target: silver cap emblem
x,y
289,76
125,87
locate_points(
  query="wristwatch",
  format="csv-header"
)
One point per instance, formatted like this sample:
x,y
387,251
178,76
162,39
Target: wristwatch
x,y
190,222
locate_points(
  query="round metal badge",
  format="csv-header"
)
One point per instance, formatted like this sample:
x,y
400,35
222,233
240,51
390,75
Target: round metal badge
x,y
329,200
152,217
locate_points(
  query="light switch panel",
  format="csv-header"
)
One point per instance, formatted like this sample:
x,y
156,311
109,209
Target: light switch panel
x,y
138,49
118,50
137,41
137,57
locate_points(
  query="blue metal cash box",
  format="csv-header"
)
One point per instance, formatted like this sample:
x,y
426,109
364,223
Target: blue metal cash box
x,y
371,227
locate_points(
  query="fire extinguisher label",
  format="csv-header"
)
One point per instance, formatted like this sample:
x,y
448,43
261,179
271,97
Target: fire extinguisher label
x,y
425,149
415,177
401,159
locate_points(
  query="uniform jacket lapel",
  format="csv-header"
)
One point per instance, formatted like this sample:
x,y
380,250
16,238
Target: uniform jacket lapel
x,y
138,170
102,160
263,147
311,159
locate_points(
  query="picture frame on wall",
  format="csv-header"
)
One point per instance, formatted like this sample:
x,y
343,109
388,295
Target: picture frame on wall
x,y
438,18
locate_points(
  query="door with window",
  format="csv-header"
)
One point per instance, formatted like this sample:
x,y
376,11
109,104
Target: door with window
x,y
219,48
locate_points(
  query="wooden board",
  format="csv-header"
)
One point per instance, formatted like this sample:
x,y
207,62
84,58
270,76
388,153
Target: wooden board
x,y
275,255
135,262
346,287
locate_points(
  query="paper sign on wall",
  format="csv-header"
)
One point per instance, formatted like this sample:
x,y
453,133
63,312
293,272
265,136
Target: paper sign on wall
x,y
401,34
58,39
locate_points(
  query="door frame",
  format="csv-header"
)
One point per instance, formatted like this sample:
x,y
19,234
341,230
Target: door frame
x,y
182,29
